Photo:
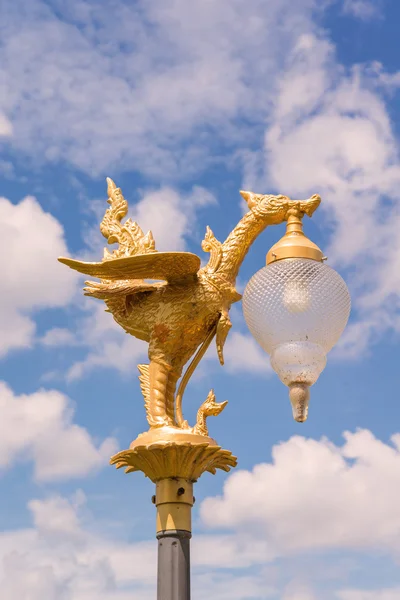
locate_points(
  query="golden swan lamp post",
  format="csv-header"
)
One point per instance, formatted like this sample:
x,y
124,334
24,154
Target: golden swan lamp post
x,y
296,307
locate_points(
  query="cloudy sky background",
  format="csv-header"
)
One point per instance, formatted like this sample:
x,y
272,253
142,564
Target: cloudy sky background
x,y
183,104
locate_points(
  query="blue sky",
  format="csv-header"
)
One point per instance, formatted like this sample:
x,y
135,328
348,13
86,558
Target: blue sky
x,y
183,104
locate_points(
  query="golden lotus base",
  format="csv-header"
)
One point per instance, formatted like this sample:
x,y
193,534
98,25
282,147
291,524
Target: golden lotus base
x,y
169,452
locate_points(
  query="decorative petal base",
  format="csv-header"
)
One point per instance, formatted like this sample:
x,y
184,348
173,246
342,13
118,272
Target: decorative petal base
x,y
162,454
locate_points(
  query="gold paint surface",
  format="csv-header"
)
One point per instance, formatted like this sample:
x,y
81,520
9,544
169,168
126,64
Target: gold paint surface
x,y
178,316
161,265
188,459
174,501
294,244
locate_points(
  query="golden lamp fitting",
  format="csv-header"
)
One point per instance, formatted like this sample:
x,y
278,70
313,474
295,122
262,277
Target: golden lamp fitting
x,y
174,500
294,244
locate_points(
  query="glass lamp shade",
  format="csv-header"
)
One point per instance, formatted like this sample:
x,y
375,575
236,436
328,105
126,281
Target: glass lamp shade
x,y
297,309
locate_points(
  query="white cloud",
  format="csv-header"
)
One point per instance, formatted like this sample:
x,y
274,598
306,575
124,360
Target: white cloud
x,y
39,428
5,126
155,87
107,343
242,354
388,594
296,591
30,241
226,586
324,496
230,551
360,336
58,336
362,9
61,557
170,216
57,517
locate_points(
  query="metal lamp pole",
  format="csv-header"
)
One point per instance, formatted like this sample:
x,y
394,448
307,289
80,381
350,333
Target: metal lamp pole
x,y
178,314
174,501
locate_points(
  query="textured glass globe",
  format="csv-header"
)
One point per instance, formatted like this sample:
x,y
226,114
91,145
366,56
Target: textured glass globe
x,y
297,309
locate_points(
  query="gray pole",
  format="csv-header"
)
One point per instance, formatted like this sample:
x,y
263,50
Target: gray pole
x,y
173,577
174,501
